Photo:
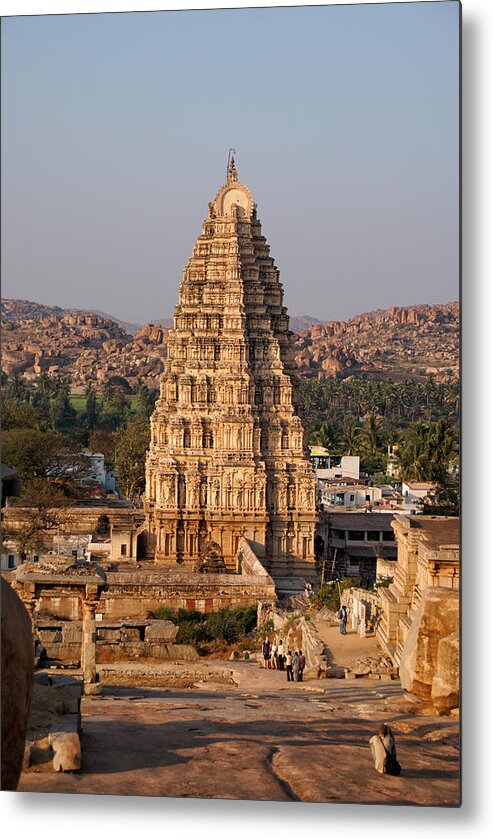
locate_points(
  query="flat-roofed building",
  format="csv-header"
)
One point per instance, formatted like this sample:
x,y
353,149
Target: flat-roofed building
x,y
354,541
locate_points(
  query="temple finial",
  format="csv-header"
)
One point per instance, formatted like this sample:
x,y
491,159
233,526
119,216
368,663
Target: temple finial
x,y
232,174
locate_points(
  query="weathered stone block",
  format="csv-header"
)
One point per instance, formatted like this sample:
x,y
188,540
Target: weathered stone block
x,y
436,618
161,631
72,632
445,685
67,751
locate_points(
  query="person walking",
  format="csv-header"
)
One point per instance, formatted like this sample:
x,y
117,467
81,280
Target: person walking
x,y
296,666
289,666
266,652
302,665
280,655
383,751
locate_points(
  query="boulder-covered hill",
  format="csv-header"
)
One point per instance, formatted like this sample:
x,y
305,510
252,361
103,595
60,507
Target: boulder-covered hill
x,y
83,345
399,342
404,342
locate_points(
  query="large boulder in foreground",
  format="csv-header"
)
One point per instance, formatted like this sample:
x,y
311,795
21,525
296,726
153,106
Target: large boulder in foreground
x,y
17,679
436,618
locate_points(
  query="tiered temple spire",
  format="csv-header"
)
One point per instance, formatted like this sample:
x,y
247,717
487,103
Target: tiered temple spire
x,y
227,457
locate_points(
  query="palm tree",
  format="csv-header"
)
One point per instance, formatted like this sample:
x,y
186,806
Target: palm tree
x,y
349,441
324,436
372,445
414,454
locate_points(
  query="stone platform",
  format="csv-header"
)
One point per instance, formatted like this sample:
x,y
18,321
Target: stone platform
x,y
260,739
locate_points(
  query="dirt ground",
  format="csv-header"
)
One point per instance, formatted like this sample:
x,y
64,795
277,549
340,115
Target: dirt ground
x,y
261,738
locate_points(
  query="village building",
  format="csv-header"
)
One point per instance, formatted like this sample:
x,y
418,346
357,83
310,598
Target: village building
x,y
329,467
354,544
414,492
349,493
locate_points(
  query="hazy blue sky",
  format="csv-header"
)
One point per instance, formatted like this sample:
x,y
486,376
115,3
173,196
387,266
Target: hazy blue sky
x,y
116,130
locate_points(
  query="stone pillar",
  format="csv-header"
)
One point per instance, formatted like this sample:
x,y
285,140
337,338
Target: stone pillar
x,y
88,651
30,604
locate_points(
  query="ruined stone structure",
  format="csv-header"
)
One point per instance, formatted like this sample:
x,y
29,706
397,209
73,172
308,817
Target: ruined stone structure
x,y
227,457
86,582
418,623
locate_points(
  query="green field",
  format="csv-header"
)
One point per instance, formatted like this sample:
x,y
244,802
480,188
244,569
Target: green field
x,y
79,403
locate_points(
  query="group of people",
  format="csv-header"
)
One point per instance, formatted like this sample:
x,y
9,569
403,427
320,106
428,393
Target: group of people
x,y
275,658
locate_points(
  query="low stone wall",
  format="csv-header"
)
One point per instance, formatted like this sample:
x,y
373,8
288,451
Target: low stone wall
x,y
147,591
313,649
172,675
60,641
134,594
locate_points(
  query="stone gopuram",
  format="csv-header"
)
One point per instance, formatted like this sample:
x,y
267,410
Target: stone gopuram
x,y
227,458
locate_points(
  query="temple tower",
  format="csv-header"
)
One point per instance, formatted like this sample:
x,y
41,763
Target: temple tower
x,y
227,456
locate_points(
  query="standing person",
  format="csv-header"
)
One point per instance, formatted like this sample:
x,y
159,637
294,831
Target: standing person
x,y
383,751
296,666
273,655
280,655
289,666
342,617
266,652
302,665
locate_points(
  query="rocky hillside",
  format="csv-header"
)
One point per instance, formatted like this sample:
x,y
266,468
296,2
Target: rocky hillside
x,y
399,342
86,346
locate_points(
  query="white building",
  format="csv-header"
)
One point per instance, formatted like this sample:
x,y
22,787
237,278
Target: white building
x,y
349,493
104,477
328,467
413,493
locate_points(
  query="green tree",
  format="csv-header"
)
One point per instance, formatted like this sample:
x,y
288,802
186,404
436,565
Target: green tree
x,y
104,442
19,389
131,445
120,383
146,398
45,454
324,435
91,413
63,415
444,500
428,451
17,414
43,503
350,439
373,445
115,410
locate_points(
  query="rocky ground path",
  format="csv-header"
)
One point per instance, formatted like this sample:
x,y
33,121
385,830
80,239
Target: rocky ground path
x,y
261,738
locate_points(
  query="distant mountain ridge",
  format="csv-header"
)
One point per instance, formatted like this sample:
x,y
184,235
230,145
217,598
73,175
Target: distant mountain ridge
x,y
399,342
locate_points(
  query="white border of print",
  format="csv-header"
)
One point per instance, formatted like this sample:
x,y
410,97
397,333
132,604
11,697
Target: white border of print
x,y
47,815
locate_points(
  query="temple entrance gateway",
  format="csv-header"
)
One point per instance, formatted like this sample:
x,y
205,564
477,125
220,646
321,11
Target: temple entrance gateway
x,y
227,459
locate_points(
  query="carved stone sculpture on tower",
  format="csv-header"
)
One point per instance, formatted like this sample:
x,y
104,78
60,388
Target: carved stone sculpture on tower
x,y
225,431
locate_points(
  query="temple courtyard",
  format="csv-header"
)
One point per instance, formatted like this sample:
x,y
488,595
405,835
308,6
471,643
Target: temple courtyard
x,y
223,729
